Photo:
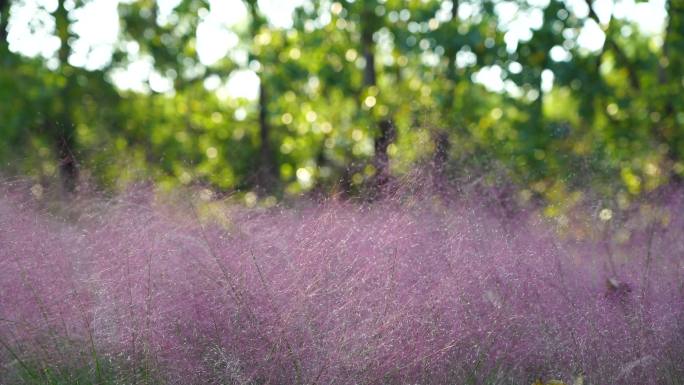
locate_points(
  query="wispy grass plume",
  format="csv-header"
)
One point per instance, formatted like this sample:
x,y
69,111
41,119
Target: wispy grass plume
x,y
398,291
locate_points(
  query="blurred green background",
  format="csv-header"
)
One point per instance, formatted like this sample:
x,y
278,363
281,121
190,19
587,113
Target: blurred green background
x,y
564,98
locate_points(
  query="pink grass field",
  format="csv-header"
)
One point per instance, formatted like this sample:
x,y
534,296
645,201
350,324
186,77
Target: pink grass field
x,y
404,290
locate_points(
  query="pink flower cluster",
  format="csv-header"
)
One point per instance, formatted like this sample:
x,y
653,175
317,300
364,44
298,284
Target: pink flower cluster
x,y
400,291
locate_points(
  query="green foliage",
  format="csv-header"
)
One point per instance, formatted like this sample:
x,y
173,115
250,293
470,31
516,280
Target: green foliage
x,y
610,123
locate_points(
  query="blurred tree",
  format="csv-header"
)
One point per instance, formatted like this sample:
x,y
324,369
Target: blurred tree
x,y
61,125
5,6
450,37
355,92
266,174
670,68
369,21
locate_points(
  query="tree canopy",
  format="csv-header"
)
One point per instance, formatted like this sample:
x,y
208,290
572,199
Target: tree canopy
x,y
351,94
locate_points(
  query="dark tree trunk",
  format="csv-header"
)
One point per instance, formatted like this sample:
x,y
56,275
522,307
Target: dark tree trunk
x,y
64,134
68,167
369,77
440,159
62,30
5,6
538,105
386,136
266,173
386,131
452,50
440,136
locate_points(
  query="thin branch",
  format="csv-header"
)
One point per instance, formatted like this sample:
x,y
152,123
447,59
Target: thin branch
x,y
621,56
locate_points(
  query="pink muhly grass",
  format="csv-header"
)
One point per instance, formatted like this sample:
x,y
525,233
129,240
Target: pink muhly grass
x,y
397,291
